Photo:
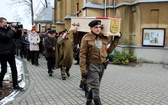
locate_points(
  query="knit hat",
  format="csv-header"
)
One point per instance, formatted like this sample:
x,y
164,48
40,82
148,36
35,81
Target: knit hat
x,y
33,29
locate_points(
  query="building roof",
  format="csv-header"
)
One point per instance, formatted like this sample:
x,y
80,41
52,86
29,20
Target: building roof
x,y
98,6
140,1
45,16
92,5
60,22
43,24
152,0
67,17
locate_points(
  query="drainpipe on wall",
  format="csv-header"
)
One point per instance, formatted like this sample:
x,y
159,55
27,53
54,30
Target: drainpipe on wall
x,y
114,12
84,3
105,5
77,9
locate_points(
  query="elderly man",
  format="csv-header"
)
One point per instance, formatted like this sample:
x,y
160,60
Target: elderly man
x,y
50,46
64,54
93,55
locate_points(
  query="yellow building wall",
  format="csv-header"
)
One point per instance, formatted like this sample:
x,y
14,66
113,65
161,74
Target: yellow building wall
x,y
97,1
94,12
60,27
154,16
134,17
109,2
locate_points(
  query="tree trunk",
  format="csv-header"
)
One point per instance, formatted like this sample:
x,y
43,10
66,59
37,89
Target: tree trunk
x,y
46,3
32,12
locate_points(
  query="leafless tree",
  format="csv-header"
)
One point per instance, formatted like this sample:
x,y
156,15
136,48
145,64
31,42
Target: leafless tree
x,y
45,4
30,6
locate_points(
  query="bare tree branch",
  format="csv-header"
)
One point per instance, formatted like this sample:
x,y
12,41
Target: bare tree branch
x,y
42,3
29,6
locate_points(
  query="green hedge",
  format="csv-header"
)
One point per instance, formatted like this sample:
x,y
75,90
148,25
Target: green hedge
x,y
123,58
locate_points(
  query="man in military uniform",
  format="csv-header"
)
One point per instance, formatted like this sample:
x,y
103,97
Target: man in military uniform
x,y
64,54
93,54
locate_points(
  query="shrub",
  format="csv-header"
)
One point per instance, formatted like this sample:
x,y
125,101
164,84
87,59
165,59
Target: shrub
x,y
123,58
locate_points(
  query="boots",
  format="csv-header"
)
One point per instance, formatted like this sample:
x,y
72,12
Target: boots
x,y
86,89
81,85
63,77
63,73
97,101
67,71
89,98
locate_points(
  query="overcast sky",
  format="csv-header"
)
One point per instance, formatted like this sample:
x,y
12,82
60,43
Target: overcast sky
x,y
12,13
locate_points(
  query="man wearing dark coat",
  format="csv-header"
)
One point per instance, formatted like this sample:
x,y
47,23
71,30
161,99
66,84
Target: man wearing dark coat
x,y
7,51
50,47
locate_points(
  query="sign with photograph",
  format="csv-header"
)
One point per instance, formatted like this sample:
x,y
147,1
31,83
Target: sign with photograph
x,y
153,37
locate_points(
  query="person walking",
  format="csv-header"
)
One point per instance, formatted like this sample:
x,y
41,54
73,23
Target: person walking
x,y
93,55
7,51
21,46
50,47
34,41
27,47
64,54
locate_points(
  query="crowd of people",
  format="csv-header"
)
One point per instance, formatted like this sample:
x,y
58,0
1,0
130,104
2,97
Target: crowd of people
x,y
57,48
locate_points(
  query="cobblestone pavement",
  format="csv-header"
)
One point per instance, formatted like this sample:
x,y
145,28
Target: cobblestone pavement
x,y
144,84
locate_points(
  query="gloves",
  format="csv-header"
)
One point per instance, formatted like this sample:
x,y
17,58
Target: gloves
x,y
84,78
117,37
84,75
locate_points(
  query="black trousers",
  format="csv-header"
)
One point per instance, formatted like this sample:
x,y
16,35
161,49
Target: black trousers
x,y
50,63
34,57
11,60
28,54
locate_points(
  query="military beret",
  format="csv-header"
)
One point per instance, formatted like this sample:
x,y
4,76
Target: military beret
x,y
60,33
51,31
94,22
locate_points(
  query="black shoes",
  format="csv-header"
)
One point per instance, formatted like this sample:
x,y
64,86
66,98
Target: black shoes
x,y
97,101
81,85
50,73
37,64
17,87
68,74
63,77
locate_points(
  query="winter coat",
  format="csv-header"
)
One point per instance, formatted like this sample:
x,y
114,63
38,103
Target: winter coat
x,y
7,45
89,53
49,43
27,42
64,52
34,41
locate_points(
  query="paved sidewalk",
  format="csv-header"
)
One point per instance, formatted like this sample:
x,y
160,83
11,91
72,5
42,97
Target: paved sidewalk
x,y
145,84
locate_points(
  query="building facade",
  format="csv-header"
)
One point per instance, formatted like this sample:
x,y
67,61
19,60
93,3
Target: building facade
x,y
138,17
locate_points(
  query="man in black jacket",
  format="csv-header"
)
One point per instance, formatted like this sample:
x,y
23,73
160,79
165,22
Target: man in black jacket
x,y
50,47
7,51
